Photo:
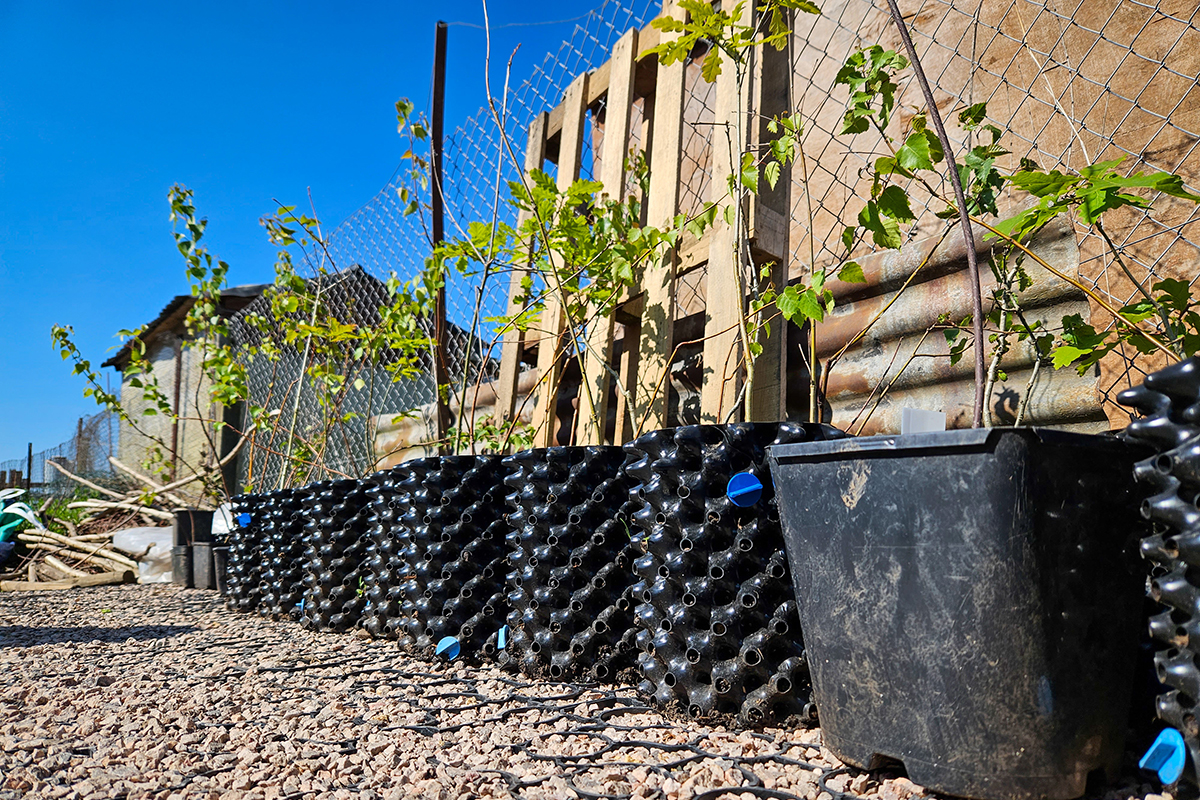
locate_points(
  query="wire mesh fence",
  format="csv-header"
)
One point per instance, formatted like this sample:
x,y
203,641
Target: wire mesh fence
x,y
85,454
381,238
1069,84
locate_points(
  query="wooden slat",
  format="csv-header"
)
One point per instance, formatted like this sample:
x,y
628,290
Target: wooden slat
x,y
766,396
723,309
630,312
553,322
593,390
658,282
598,84
514,340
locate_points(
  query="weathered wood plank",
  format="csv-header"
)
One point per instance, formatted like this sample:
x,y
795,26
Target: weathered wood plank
x,y
658,281
593,390
647,37
514,340
553,321
766,396
723,309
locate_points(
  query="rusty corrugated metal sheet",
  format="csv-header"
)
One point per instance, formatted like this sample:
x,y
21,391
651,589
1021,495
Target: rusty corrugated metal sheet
x,y
897,354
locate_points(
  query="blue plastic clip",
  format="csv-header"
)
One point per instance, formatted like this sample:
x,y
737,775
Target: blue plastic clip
x,y
744,489
448,647
1167,756
243,519
502,637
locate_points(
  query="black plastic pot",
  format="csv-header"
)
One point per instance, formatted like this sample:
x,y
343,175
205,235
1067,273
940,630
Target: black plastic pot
x,y
970,602
385,569
452,553
220,564
337,517
181,565
718,631
245,564
281,582
572,560
204,575
1170,402
192,525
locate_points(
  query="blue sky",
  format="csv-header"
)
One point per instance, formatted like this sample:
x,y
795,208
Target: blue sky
x,y
103,106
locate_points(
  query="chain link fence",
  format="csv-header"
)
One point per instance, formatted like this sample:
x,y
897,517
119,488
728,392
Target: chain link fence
x,y
84,454
381,238
1069,84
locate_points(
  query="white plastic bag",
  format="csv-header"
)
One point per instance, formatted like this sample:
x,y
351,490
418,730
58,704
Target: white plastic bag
x,y
155,565
222,519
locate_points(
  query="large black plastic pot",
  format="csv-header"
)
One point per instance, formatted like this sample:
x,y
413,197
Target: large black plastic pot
x,y
244,565
1170,402
337,516
718,631
970,602
281,584
572,561
453,553
385,569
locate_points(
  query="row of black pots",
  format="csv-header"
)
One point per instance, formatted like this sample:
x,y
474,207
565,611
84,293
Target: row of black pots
x,y
199,566
569,572
967,598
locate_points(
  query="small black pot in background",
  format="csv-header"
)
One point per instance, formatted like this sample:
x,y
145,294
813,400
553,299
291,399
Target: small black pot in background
x,y
181,565
192,525
220,563
204,574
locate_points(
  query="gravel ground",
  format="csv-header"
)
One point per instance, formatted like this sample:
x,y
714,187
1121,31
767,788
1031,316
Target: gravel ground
x,y
154,691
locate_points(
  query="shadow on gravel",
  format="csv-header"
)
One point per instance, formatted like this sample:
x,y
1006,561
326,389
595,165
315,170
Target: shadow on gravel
x,y
28,635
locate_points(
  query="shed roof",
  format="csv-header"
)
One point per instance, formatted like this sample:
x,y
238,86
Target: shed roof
x,y
173,314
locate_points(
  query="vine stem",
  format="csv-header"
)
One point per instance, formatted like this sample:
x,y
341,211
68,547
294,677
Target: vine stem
x,y
968,233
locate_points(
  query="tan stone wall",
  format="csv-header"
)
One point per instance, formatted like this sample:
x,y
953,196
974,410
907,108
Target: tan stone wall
x,y
193,446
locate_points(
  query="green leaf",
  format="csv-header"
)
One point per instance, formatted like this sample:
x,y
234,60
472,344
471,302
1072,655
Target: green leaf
x,y
749,171
809,306
920,150
848,236
885,231
771,172
1044,184
972,116
894,203
359,383
1173,185
806,6
1176,294
851,272
788,303
1065,355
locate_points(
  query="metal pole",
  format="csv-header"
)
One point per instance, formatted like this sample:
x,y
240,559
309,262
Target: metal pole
x,y
440,372
29,469
964,217
175,421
